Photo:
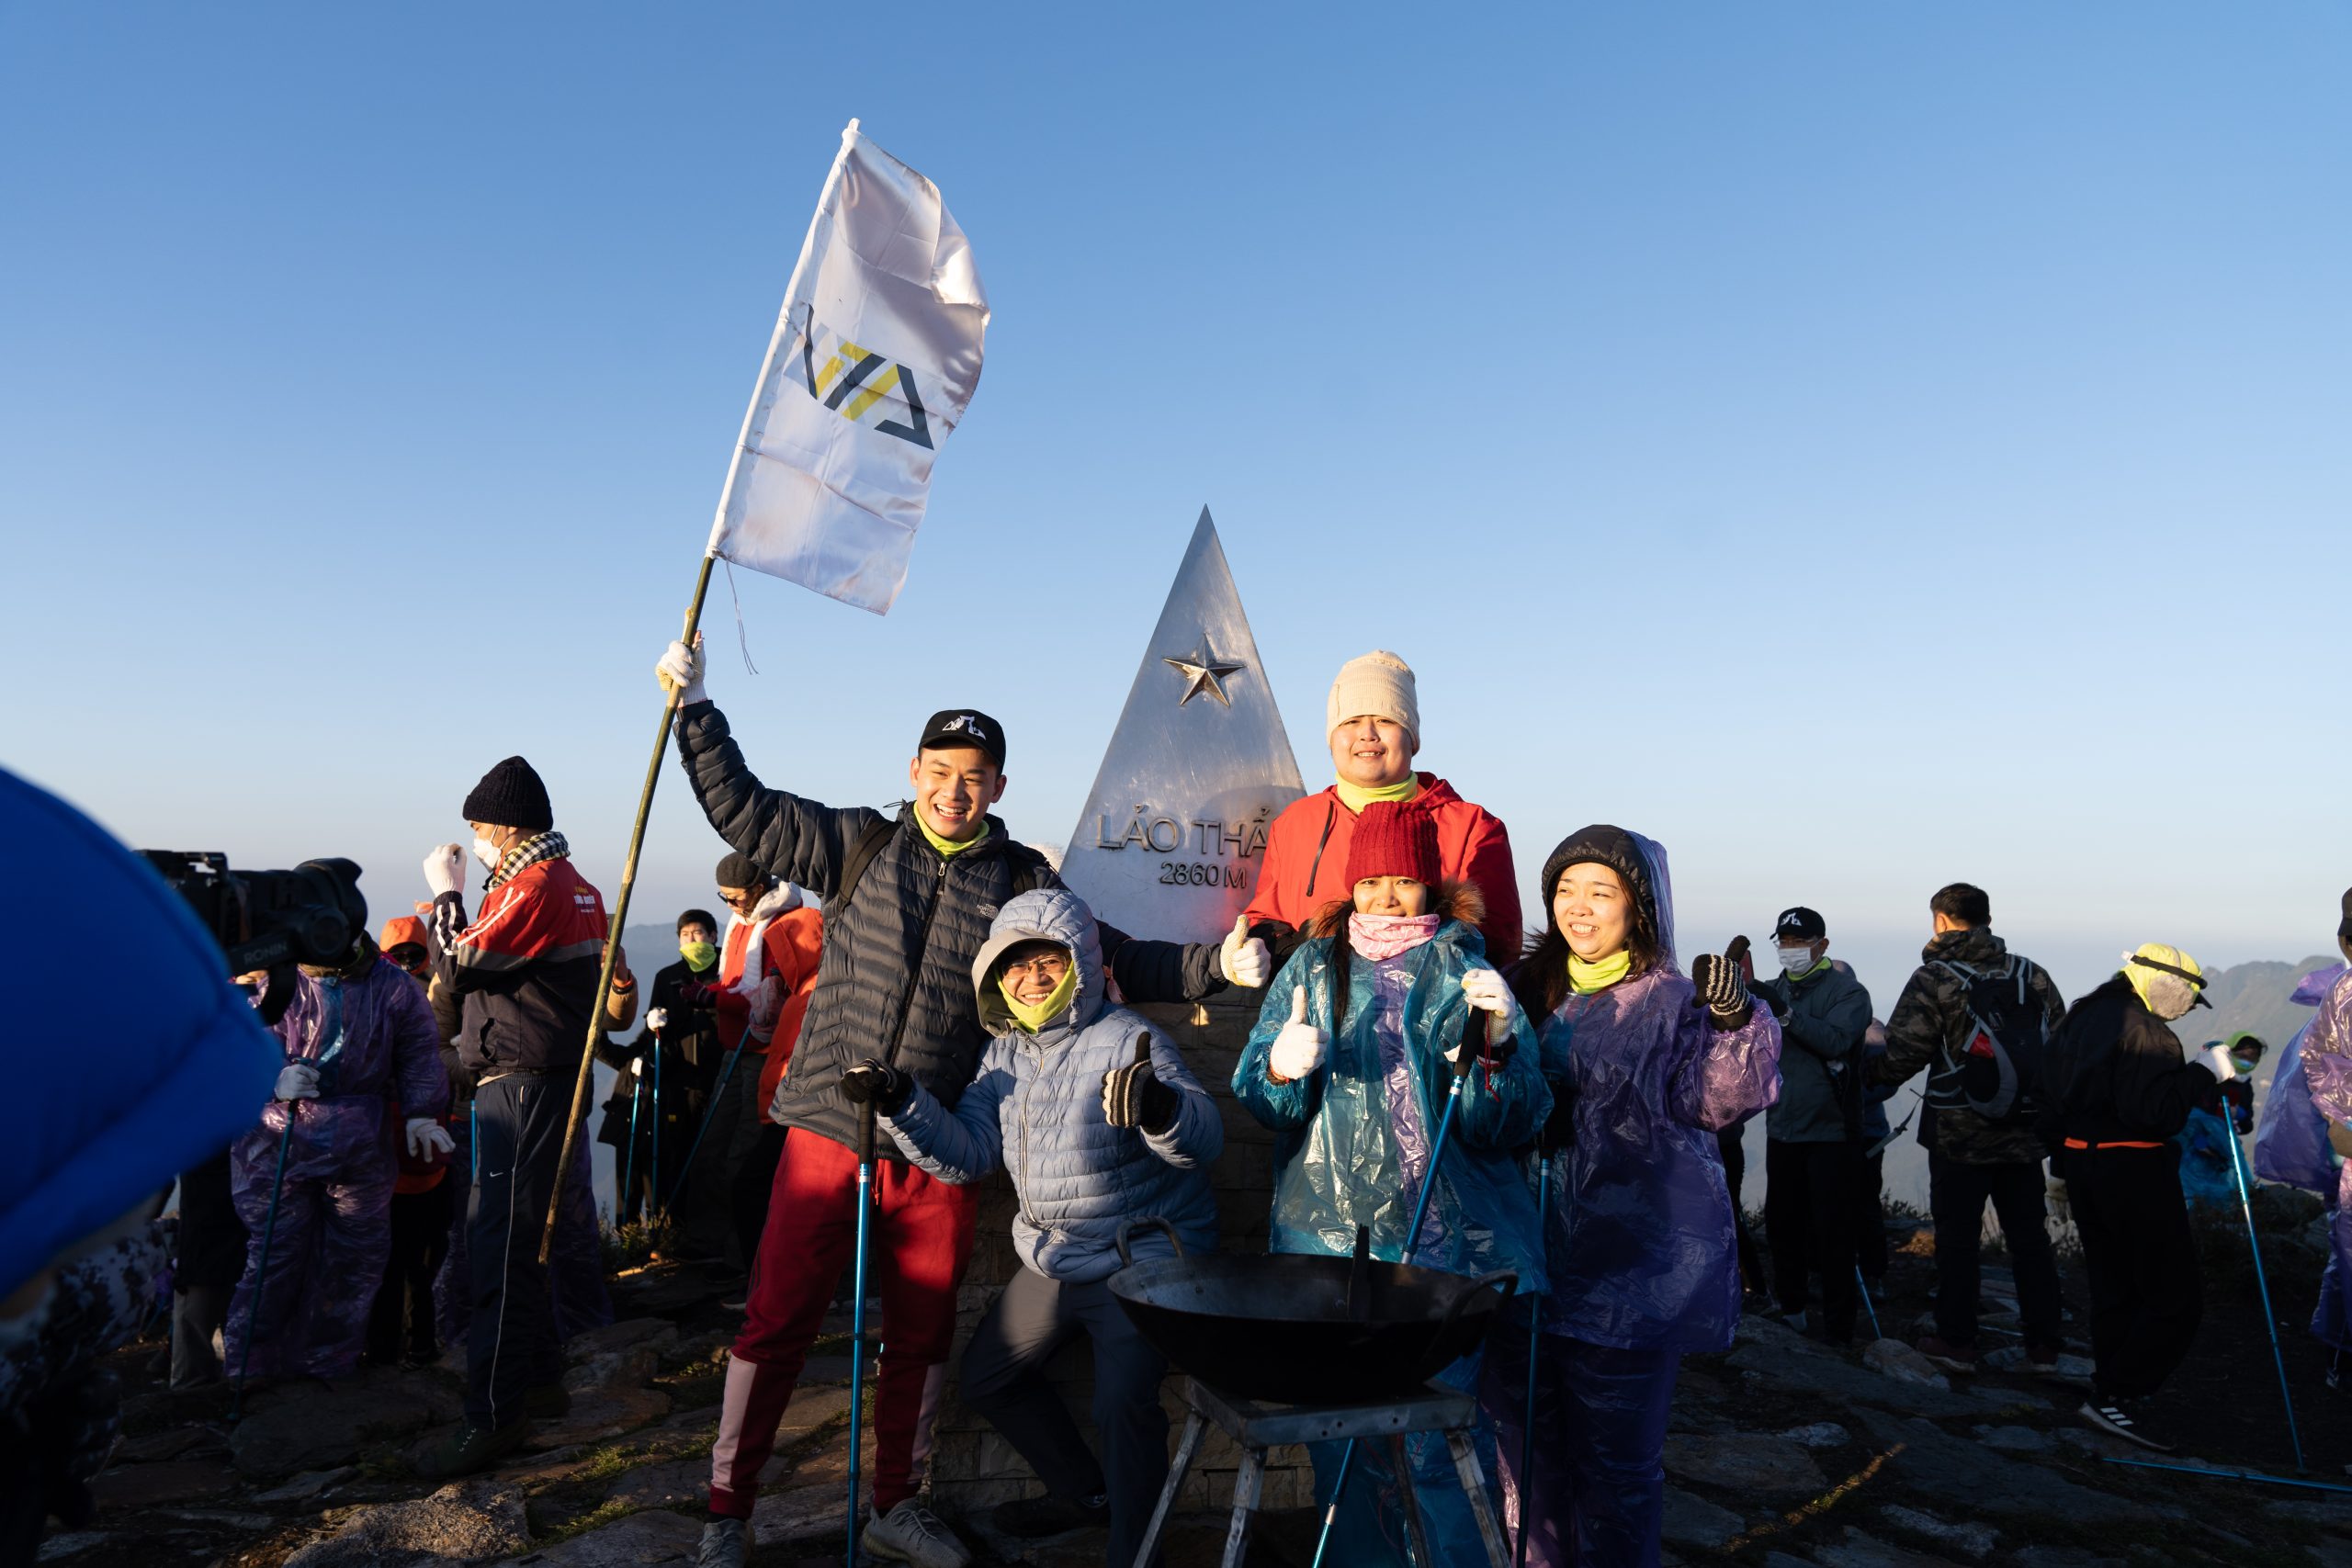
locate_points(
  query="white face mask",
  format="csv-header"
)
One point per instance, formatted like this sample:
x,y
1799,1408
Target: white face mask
x,y
486,852
1795,960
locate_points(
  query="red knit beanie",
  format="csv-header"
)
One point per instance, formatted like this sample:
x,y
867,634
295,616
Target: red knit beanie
x,y
1393,840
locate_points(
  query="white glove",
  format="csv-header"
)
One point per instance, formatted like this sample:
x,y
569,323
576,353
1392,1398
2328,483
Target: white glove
x,y
424,1132
2215,1059
298,1081
658,1019
444,868
679,670
1484,989
1300,1048
1243,959
636,1066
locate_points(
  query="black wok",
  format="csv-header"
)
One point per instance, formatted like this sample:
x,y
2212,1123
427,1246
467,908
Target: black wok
x,y
1302,1330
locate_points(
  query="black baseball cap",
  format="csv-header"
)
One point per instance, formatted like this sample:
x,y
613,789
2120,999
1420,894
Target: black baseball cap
x,y
964,727
1800,924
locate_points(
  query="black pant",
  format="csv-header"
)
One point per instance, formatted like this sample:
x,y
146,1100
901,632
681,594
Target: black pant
x,y
1870,1216
2142,1258
1004,1380
753,1184
1809,1221
1734,1158
510,1344
420,1241
1956,1197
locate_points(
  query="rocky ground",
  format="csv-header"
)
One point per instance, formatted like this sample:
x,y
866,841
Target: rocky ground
x,y
1782,1453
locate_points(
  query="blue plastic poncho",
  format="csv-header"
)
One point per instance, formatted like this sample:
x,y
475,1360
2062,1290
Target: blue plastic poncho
x,y
2207,1177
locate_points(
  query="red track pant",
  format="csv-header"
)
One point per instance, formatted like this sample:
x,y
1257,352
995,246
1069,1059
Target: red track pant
x,y
920,1241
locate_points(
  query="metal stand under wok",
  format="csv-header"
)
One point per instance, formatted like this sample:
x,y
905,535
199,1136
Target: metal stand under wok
x,y
1256,1426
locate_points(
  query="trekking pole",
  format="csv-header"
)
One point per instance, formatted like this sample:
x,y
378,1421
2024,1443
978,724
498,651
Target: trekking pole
x,y
261,1270
857,1315
628,1171
1863,1288
1420,1211
725,1076
653,1183
2246,1201
1534,1344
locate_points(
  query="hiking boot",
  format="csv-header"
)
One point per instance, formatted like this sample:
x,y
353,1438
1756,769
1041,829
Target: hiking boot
x,y
912,1533
2043,1359
2114,1418
1951,1358
725,1543
550,1401
471,1448
1034,1518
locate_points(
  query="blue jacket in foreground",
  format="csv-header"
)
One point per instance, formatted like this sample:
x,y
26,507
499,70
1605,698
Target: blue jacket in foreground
x,y
1035,1108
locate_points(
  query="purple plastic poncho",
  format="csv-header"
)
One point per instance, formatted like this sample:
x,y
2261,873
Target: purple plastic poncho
x,y
373,1041
2289,1134
2327,1067
1642,1247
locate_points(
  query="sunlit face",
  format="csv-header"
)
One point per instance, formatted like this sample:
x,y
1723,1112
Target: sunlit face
x,y
499,839
1593,910
1372,753
741,900
1392,896
954,787
694,932
1034,969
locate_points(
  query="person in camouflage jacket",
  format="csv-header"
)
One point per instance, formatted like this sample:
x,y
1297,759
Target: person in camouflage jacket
x,y
1971,1160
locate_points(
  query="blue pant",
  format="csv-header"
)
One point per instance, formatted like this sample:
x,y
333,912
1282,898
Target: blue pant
x,y
1597,1496
512,1345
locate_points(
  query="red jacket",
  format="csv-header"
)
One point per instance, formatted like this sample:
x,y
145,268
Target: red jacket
x,y
526,969
1306,861
802,934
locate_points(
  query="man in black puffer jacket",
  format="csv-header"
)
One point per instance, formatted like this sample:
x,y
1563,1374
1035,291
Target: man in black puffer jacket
x,y
908,904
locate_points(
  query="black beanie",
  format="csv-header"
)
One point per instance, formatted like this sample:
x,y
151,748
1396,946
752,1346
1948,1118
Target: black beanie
x,y
511,796
740,871
1601,845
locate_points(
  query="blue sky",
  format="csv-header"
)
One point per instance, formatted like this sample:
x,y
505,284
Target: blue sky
x,y
1859,446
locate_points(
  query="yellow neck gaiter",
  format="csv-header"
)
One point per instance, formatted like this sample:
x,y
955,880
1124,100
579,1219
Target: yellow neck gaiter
x,y
951,846
1586,978
1033,1019
1355,798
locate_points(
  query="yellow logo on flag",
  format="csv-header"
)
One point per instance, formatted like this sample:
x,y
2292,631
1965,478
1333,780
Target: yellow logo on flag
x,y
854,381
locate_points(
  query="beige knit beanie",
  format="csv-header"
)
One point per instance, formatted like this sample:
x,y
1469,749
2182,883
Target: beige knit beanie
x,y
1378,684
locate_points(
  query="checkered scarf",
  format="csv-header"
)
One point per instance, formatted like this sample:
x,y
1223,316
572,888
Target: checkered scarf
x,y
524,853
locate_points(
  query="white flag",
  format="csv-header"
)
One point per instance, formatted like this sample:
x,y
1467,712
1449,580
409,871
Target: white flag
x,y
873,360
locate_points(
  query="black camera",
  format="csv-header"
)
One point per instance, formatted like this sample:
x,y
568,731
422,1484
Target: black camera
x,y
270,919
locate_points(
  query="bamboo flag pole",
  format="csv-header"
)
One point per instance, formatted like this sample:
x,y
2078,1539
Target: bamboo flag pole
x,y
613,934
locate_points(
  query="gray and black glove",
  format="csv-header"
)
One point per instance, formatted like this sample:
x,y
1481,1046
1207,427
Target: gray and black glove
x,y
1133,1096
1722,985
877,1083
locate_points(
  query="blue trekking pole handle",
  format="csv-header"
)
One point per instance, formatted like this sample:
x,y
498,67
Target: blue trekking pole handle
x,y
857,1315
2246,1201
725,1076
1535,1343
1420,1211
261,1270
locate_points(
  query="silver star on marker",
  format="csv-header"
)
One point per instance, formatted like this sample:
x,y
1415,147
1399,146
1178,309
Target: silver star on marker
x,y
1203,671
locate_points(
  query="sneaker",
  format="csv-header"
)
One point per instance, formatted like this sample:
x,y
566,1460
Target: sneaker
x,y
1034,1518
736,1304
912,1533
471,1448
2043,1359
725,1543
1951,1358
1795,1320
549,1400
2114,1417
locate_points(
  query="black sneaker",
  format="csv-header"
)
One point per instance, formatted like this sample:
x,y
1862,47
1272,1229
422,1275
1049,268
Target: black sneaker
x,y
471,1449
1034,1518
2114,1417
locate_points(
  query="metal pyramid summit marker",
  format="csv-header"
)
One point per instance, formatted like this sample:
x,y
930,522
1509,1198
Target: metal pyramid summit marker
x,y
1175,832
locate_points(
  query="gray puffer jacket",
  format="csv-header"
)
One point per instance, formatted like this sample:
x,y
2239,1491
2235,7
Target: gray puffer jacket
x,y
894,980
1036,1109
1824,1017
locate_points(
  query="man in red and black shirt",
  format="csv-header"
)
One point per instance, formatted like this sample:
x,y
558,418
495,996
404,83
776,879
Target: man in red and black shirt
x,y
524,972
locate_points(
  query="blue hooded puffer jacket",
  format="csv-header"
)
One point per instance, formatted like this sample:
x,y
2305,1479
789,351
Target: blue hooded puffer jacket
x,y
1035,1108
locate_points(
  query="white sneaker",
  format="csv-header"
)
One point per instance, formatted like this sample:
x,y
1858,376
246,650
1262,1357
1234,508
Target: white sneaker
x,y
912,1533
725,1543
2110,1416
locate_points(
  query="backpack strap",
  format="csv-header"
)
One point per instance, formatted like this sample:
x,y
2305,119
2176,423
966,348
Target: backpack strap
x,y
869,844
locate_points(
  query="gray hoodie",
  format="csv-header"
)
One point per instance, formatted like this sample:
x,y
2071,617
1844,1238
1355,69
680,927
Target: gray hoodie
x,y
1823,1019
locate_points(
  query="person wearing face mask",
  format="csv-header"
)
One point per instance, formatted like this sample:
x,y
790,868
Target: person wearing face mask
x,y
2119,1087
1645,1067
1373,721
1813,1133
524,972
1353,1054
908,902
1939,1022
680,1034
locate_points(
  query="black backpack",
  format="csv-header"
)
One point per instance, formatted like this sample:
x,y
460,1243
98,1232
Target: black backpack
x,y
1997,1071
872,841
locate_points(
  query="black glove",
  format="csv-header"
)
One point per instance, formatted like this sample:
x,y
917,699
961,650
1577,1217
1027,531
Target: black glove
x,y
696,995
1133,1096
1474,1050
1722,990
1559,1128
877,1083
